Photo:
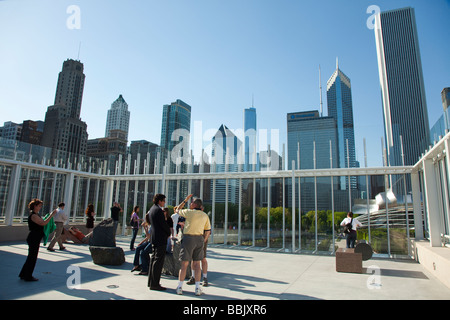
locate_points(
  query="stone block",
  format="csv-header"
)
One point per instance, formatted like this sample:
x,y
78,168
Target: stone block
x,y
347,260
107,255
104,234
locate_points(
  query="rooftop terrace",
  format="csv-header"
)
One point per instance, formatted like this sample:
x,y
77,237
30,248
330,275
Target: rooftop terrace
x,y
232,274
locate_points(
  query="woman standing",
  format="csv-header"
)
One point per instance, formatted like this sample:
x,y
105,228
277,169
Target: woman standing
x,y
90,218
134,222
36,226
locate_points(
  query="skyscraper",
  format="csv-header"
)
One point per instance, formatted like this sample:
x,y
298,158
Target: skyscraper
x,y
340,107
175,130
227,157
402,86
249,138
174,146
64,131
312,141
308,132
118,117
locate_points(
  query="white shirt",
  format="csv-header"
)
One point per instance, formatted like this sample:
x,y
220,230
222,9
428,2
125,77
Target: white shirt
x,y
60,216
175,218
355,223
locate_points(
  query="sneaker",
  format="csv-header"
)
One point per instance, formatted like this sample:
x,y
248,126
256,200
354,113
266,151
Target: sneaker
x,y
205,282
191,281
198,292
179,291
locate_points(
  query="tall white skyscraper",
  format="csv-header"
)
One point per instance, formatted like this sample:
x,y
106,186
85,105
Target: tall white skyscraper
x,y
118,117
402,86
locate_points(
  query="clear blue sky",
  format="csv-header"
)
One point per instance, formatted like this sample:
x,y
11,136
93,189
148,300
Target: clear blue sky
x,y
211,54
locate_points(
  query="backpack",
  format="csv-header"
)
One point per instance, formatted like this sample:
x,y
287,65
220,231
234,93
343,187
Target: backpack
x,y
348,227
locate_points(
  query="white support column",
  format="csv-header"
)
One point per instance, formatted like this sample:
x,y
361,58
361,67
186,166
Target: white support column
x,y
239,212
417,205
293,207
268,212
68,192
77,191
13,194
432,203
108,198
254,214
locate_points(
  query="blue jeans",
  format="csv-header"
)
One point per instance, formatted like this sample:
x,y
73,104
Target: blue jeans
x,y
143,252
133,238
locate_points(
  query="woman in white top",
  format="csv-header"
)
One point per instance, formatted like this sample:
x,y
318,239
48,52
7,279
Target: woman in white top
x,y
351,237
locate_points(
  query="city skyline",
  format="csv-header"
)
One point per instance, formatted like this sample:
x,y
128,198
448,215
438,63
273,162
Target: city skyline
x,y
217,95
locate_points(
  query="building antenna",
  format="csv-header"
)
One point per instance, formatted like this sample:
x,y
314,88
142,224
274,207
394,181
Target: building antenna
x,y
253,100
79,49
320,88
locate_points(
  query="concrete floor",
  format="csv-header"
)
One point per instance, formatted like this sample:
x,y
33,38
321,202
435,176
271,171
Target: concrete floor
x,y
233,274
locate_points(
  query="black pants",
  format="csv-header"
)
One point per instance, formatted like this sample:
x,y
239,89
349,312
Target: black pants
x,y
34,241
156,265
351,239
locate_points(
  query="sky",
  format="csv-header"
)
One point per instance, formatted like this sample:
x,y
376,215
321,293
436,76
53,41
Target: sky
x,y
217,56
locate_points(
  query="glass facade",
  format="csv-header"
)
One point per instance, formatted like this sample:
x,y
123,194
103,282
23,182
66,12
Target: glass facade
x,y
250,138
403,94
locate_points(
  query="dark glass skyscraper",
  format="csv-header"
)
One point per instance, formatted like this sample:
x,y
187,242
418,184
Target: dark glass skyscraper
x,y
175,130
249,138
306,131
402,86
174,147
340,107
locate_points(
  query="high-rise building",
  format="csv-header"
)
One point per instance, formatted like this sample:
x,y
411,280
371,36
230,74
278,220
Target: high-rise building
x,y
32,131
174,147
442,126
402,86
312,141
306,132
175,131
64,131
249,138
445,94
69,91
226,157
118,117
10,133
340,107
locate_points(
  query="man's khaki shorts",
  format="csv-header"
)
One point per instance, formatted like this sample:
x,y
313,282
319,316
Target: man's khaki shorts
x,y
192,248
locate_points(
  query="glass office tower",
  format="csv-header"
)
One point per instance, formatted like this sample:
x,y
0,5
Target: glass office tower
x,y
340,107
306,131
249,138
174,147
402,86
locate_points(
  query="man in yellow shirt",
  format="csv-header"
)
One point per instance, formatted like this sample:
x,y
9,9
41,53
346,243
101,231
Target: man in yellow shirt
x,y
197,229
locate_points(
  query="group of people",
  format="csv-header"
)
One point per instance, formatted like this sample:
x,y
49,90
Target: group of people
x,y
159,227
38,230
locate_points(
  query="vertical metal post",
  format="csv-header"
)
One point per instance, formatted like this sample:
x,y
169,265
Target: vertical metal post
x,y
268,212
293,207
11,205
